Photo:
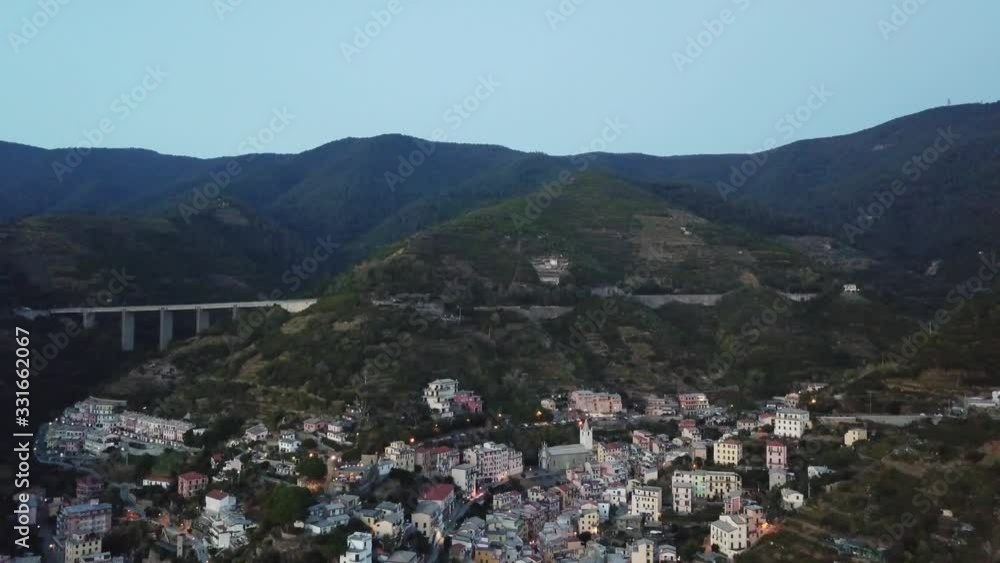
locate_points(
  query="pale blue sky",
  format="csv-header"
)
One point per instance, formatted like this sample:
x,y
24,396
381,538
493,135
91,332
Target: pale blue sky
x,y
609,59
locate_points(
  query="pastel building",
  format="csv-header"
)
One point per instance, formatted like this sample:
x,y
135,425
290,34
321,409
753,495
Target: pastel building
x,y
728,452
776,455
84,519
693,402
595,403
191,483
647,501
791,423
729,532
494,462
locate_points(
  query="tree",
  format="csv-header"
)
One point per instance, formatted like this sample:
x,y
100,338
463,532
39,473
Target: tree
x,y
286,504
311,467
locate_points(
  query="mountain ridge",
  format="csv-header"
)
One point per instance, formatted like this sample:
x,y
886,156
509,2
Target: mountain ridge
x,y
339,189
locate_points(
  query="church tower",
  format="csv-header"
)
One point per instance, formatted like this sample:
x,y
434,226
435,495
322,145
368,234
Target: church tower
x,y
587,435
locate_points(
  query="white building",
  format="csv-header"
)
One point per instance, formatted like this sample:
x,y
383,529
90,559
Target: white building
x,y
855,435
776,477
561,458
647,501
642,551
666,553
289,443
728,452
729,532
791,423
708,484
216,501
225,529
683,497
255,433
792,499
466,478
402,454
438,395
494,462
359,548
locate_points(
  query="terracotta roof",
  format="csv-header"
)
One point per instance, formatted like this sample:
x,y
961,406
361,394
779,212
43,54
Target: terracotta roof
x,y
191,476
438,492
160,478
216,494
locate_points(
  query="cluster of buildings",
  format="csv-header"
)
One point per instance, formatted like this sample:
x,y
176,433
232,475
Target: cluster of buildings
x,y
94,425
593,403
82,525
471,469
445,399
222,523
581,490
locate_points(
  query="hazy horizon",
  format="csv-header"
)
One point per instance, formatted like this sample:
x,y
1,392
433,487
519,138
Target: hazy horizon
x,y
713,78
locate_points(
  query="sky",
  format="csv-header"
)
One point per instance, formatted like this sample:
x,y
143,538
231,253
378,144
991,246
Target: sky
x,y
220,77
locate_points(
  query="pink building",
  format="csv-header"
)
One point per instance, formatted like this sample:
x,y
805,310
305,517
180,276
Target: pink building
x,y
191,483
595,403
437,460
643,439
733,502
693,401
84,519
89,487
756,522
467,401
777,455
313,425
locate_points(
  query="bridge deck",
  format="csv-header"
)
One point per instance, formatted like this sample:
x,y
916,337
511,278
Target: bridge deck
x,y
290,304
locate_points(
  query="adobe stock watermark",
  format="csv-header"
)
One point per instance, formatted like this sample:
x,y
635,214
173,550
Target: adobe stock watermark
x,y
899,17
957,298
922,501
456,116
32,26
788,126
292,278
364,35
203,196
738,346
563,12
56,342
122,107
698,43
225,7
912,170
537,202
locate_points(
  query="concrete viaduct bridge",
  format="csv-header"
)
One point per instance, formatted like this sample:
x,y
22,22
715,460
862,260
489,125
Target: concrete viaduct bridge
x,y
200,310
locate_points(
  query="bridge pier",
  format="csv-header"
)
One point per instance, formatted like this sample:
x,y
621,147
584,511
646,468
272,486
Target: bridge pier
x,y
236,313
128,331
166,328
88,319
201,320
